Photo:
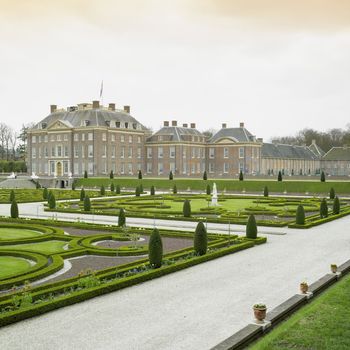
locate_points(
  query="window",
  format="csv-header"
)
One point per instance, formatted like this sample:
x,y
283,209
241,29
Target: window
x,y
59,151
39,152
149,167
113,151
211,167
90,136
33,152
104,136
138,152
82,151
66,151
113,137
139,166
65,137
122,152
46,138
130,168
240,167
76,152
160,138
193,152
122,168
193,170
160,168
82,137
52,167
138,139
90,151
45,168
46,152
172,152
184,153
91,168
160,152
104,151
172,167
76,138
39,138
53,151
225,152
65,167
149,152
241,152
33,139
130,138
59,138
129,152
211,152
122,138
76,169
225,168
184,168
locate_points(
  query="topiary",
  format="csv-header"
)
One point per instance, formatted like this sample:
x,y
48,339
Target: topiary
x,y
102,190
208,190
155,249
251,228
74,184
121,218
137,191
52,201
205,176
279,178
85,174
331,193
336,206
152,191
266,191
241,175
139,175
45,193
186,209
323,177
171,176
82,194
141,188
323,208
300,215
87,203
14,209
112,187
174,189
37,185
200,239
111,175
12,196
117,189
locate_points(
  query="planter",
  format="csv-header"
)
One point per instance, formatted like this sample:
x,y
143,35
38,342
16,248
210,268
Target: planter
x,y
304,287
334,268
259,314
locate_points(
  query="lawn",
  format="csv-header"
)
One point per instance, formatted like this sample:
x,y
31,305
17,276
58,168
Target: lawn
x,y
47,247
16,233
11,265
322,325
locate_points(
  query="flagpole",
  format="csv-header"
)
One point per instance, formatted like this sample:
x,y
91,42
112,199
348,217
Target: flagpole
x,y
101,93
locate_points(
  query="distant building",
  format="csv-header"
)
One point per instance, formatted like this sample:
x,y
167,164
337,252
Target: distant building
x,y
337,161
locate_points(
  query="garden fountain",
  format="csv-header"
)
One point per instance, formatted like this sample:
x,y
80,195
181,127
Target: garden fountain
x,y
214,197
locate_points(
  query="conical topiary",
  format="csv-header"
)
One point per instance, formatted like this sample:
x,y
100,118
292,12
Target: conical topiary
x,y
266,191
121,218
155,249
52,201
153,191
241,175
336,206
174,189
171,176
14,209
200,239
139,175
112,188
111,175
87,203
74,184
117,189
205,176
141,188
300,215
208,190
102,191
137,191
85,174
251,228
45,193
323,177
82,194
186,209
12,196
279,178
323,208
331,193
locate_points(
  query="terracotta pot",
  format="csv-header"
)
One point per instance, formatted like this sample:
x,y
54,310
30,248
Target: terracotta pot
x,y
304,288
259,314
334,268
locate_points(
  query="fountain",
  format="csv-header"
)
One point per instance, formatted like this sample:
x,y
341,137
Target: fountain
x,y
214,197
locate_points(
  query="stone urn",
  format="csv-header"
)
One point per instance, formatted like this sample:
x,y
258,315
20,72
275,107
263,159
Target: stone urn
x,y
334,268
260,312
304,287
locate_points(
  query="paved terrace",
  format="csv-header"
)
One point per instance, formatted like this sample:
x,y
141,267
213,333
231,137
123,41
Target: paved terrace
x,y
191,309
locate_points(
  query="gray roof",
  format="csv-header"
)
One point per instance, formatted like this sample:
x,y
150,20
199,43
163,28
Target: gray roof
x,y
176,133
235,134
271,150
96,117
338,153
317,150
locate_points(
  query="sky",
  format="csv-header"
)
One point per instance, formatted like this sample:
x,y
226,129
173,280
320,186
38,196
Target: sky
x,y
277,65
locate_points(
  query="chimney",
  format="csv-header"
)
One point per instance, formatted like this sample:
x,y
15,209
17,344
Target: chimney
x,y
111,106
259,139
165,123
185,125
127,109
95,104
193,125
224,125
241,125
53,108
173,123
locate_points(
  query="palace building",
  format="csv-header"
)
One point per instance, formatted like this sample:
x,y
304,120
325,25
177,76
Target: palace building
x,y
99,139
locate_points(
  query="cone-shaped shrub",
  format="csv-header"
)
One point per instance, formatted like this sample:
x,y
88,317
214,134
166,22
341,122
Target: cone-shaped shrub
x,y
323,177
336,206
279,178
174,189
102,190
87,203
137,191
45,193
186,209
52,201
121,218
208,189
153,191
85,174
12,196
266,191
241,175
139,175
141,188
112,187
171,176
37,185
111,175
205,176
74,184
117,189
251,228
82,194
300,215
323,208
200,239
155,249
14,209
331,193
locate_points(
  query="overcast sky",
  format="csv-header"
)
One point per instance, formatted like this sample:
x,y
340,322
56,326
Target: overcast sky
x,y
279,66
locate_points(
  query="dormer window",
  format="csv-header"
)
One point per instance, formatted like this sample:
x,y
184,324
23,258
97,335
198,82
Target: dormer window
x,y
126,125
117,124
87,122
134,125
43,125
108,122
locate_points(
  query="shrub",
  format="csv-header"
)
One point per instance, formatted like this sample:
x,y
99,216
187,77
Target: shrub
x,y
323,208
112,187
279,178
175,189
14,209
200,239
251,228
87,203
323,177
266,191
139,175
12,196
171,176
102,190
141,188
52,201
137,191
300,215
85,174
117,189
152,191
45,194
82,194
121,218
331,193
241,175
37,185
186,209
155,249
111,175
208,190
74,185
205,176
336,206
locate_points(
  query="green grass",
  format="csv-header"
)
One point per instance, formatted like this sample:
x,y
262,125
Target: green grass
x,y
289,185
10,266
321,325
16,233
47,247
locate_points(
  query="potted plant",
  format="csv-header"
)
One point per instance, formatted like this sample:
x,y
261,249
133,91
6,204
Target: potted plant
x,y
334,268
259,312
304,287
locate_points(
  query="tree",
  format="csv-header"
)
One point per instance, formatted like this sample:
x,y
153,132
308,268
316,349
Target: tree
x,y
111,175
14,209
266,191
241,175
323,177
74,184
52,201
102,190
112,187
200,239
208,190
45,193
12,196
171,176
205,176
87,203
82,194
336,206
141,188
37,185
323,208
117,189
300,215
279,178
331,193
174,189
139,175
137,191
85,174
186,209
155,249
121,218
152,190
251,228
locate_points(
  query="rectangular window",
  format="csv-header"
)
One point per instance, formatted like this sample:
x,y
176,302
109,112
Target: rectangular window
x,y
138,139
104,150
172,167
149,152
160,168
241,152
90,150
59,137
198,152
211,167
139,152
91,168
46,152
76,152
33,152
149,167
33,139
90,136
76,168
122,138
211,152
59,151
225,152
104,136
82,137
76,138
198,168
46,138
225,168
122,168
45,168
160,152
113,151
82,151
193,152
129,152
130,138
53,151
122,152
193,170
184,153
65,167
172,151
130,168
65,137
52,168
184,168
113,137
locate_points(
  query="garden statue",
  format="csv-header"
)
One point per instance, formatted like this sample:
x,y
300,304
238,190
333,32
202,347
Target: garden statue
x,y
214,197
